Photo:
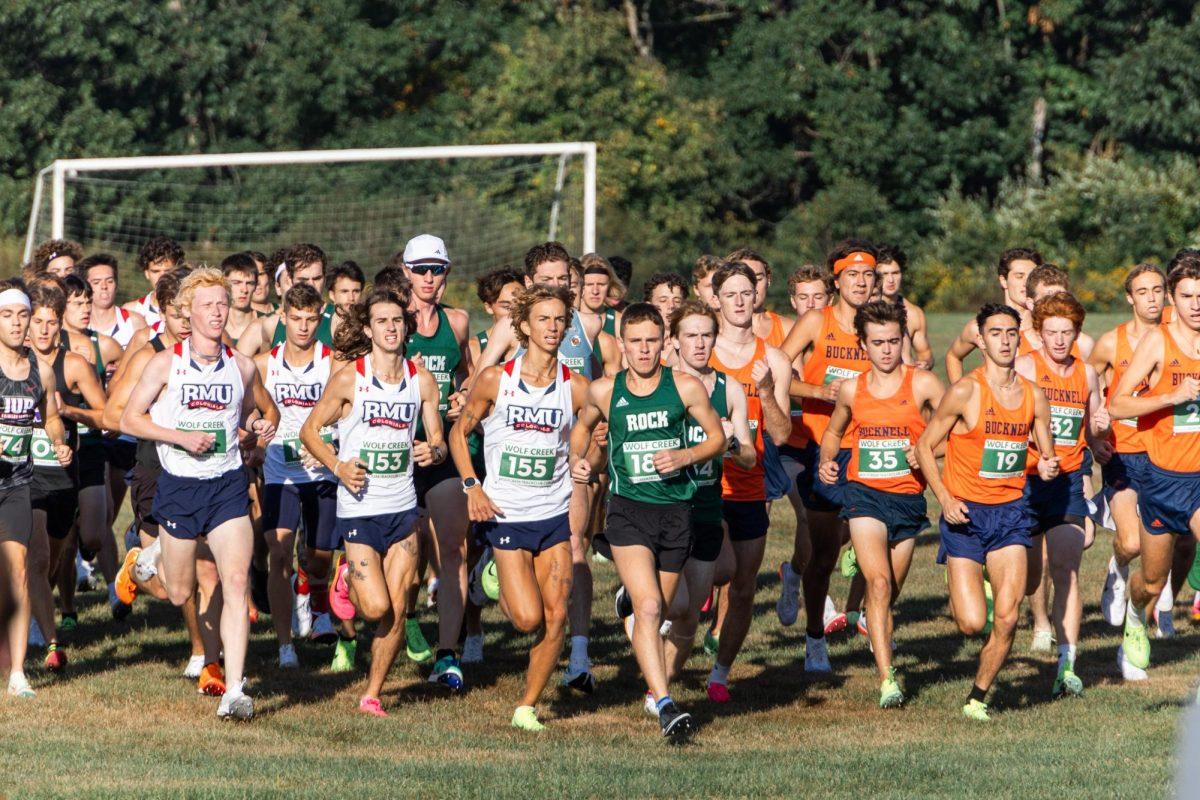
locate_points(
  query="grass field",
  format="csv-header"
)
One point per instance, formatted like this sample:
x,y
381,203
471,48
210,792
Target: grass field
x,y
124,723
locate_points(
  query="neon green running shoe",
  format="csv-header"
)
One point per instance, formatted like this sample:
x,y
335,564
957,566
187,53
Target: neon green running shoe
x,y
525,718
1067,683
418,649
1136,644
976,710
991,607
491,583
890,695
69,622
343,655
848,563
711,642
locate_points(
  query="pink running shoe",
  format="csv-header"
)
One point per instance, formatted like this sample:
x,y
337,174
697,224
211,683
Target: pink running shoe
x,y
862,624
835,623
718,693
372,706
339,592
708,604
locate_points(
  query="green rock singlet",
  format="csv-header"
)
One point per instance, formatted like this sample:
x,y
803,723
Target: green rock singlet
x,y
640,427
706,504
442,356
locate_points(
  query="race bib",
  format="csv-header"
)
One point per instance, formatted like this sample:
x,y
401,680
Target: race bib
x,y
43,450
291,446
1187,417
883,458
221,437
1065,424
639,460
386,459
528,466
833,373
14,443
1003,458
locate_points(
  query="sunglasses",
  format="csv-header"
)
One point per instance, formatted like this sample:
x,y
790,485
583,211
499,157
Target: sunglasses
x,y
423,269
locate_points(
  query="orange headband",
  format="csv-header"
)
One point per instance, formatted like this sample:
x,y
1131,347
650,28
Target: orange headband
x,y
856,259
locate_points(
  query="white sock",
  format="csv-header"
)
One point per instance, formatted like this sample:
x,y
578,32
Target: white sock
x,y
1066,655
1166,600
1120,569
579,653
719,674
1134,616
146,565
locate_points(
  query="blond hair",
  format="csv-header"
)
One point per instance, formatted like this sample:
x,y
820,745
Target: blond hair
x,y
199,278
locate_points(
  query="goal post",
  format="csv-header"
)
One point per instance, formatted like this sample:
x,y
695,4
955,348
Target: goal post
x,y
229,201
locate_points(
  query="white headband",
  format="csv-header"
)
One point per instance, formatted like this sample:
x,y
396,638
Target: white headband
x,y
282,268
15,297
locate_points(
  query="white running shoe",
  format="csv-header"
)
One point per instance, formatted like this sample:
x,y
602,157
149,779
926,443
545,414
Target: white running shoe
x,y
84,579
18,686
650,706
146,565
322,628
195,666
236,704
35,635
302,616
816,656
1112,599
472,649
1128,671
664,630
787,608
287,657
1043,642
431,590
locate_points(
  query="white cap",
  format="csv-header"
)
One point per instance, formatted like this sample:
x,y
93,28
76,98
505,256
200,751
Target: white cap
x,y
425,248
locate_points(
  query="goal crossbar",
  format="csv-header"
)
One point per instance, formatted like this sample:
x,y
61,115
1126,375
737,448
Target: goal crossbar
x,y
61,168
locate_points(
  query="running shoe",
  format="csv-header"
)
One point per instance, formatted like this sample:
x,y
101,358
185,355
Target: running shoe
x,y
490,580
525,718
708,603
1066,682
718,692
69,621
1043,642
339,590
890,695
1136,644
56,659
236,707
581,681
848,563
343,655
835,623
211,681
712,641
431,593
1196,607
126,589
664,630
1112,599
195,666
415,646
18,686
649,705
622,603
860,624
85,580
372,707
473,649
599,558
448,673
1164,623
146,565
976,710
287,657
475,591
787,607
302,616
131,535
323,631
119,610
677,726
1128,671
816,656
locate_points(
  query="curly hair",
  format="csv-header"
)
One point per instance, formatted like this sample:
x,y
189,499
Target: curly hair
x,y
489,285
351,341
879,312
541,253
745,254
528,298
200,278
51,249
160,248
1062,305
166,291
672,279
810,273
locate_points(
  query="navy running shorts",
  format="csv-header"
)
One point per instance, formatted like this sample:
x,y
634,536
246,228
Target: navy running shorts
x,y
1123,471
747,520
188,508
989,527
1168,500
821,496
1056,502
284,505
379,532
905,515
775,476
536,536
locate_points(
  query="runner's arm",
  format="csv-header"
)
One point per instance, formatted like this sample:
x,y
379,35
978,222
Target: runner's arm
x,y
959,350
1099,424
695,399
928,391
610,353
839,420
948,413
1123,404
773,395
590,415
480,401
79,372
919,332
1103,355
121,386
135,418
434,439
337,395
735,398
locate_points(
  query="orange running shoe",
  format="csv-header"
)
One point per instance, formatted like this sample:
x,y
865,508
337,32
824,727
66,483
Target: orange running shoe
x,y
126,589
212,680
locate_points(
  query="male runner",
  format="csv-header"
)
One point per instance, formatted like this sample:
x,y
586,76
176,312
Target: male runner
x,y
1077,419
600,284
623,269
192,400
768,325
376,404
889,268
242,273
1145,291
300,263
346,282
497,292
261,299
1167,359
765,374
56,256
648,527
154,258
986,419
27,391
832,356
1014,267
884,411
294,374
702,273
666,291
527,408
1043,281
99,271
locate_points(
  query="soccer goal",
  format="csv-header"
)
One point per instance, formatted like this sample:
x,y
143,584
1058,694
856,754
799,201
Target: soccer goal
x,y
488,202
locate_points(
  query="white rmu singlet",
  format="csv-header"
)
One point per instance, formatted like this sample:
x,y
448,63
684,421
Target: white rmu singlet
x,y
148,309
205,399
123,330
526,440
295,392
379,431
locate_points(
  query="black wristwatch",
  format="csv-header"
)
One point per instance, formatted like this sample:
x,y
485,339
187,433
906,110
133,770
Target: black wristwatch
x,y
734,445
468,484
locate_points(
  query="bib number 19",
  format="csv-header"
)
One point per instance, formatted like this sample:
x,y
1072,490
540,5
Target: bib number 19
x,y
1003,459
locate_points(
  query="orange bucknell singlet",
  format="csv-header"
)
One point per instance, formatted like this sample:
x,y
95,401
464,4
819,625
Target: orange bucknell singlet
x,y
835,354
987,463
1125,436
881,430
1172,435
738,483
1068,398
777,334
1026,346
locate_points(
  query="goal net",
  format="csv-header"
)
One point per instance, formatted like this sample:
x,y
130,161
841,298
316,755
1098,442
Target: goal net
x,y
489,203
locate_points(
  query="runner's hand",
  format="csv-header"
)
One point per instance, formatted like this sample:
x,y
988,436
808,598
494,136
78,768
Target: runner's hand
x,y
307,459
1048,467
1103,452
62,451
955,512
1101,420
762,376
829,392
924,365
600,435
668,461
422,454
480,507
352,473
910,453
195,442
264,430
581,471
1188,390
458,402
828,472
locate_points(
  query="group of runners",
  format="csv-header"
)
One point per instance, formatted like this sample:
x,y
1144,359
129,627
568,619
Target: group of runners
x,y
325,458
